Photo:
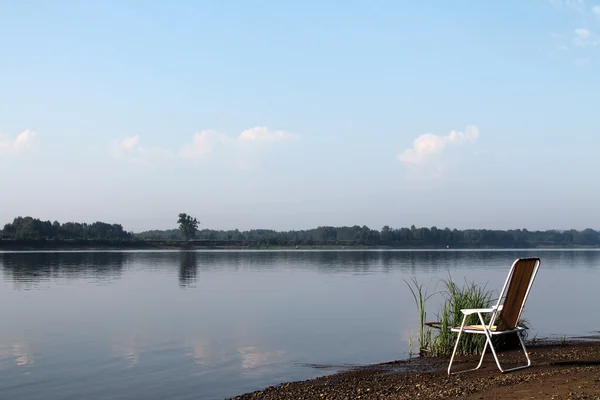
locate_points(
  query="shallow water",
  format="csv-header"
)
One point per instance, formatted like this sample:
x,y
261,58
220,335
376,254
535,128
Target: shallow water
x,y
212,324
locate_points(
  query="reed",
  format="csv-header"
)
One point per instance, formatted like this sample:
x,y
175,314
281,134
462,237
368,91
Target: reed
x,y
455,298
421,296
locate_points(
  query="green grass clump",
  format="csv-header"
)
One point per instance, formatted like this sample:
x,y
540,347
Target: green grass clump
x,y
457,298
471,295
421,296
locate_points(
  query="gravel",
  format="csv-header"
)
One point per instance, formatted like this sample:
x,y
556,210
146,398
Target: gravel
x,y
569,371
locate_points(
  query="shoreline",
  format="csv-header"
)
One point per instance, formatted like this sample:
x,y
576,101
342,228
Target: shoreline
x,y
559,370
83,245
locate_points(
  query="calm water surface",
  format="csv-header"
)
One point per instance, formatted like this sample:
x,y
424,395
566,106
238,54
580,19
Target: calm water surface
x,y
212,324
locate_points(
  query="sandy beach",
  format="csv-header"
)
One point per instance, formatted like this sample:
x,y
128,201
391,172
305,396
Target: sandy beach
x,y
559,371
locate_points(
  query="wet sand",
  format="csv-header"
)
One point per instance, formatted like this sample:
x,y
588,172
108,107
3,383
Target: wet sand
x,y
559,371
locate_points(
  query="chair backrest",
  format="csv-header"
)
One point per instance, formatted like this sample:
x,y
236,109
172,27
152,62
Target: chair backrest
x,y
515,291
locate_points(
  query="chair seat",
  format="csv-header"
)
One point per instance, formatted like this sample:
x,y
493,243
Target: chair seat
x,y
474,328
504,316
493,329
480,327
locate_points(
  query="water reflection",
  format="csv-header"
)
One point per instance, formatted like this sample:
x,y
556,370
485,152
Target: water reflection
x,y
27,270
188,269
19,352
254,357
127,349
247,319
200,350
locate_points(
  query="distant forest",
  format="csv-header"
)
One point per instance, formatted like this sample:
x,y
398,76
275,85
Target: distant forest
x,y
27,228
389,237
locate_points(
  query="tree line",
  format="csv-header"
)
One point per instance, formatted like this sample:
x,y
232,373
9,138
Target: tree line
x,y
387,236
28,228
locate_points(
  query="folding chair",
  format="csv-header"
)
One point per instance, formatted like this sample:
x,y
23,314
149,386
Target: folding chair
x,y
505,314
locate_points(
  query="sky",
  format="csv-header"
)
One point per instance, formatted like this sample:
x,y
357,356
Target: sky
x,y
292,115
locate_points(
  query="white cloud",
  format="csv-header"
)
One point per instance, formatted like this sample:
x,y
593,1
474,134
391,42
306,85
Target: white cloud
x,y
578,43
560,42
209,143
131,150
203,144
129,143
429,145
21,142
584,38
263,134
127,146
575,5
582,33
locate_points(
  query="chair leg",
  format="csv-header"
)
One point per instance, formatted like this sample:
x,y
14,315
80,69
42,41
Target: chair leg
x,y
526,356
456,347
488,335
482,355
488,341
456,344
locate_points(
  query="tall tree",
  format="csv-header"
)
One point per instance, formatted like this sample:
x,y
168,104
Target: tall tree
x,y
187,225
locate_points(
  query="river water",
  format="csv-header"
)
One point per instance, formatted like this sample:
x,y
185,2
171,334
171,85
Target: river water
x,y
213,324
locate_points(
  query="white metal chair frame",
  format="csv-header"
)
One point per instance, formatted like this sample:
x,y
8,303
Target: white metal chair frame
x,y
488,330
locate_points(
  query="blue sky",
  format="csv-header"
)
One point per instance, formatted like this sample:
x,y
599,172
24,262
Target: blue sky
x,y
290,115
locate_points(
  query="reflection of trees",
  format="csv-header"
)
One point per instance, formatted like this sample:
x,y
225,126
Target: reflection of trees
x,y
351,261
28,269
188,269
590,260
331,262
328,262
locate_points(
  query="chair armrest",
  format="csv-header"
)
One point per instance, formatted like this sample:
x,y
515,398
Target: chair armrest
x,y
469,311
